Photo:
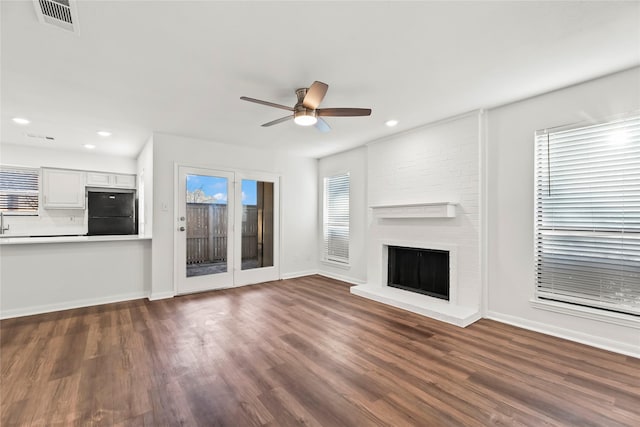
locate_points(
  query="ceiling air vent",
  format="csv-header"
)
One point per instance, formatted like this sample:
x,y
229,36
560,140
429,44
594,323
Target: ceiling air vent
x,y
59,13
43,137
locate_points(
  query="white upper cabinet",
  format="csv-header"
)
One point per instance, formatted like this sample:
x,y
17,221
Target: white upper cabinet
x,y
63,189
110,180
98,179
124,181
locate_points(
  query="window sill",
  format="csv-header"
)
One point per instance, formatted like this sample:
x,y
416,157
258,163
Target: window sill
x,y
621,319
336,264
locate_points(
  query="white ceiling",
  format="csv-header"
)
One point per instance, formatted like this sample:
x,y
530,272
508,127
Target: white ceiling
x,y
180,67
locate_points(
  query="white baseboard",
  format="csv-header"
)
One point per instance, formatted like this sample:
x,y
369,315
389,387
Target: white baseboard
x,y
154,296
68,305
298,274
628,349
341,278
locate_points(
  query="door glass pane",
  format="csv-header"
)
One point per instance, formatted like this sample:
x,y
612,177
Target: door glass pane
x,y
206,222
257,224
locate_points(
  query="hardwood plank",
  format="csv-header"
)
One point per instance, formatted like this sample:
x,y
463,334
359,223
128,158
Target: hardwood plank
x,y
286,409
299,352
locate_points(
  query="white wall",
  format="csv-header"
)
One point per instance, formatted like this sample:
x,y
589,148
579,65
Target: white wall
x,y
145,189
298,211
511,204
354,162
435,163
29,155
57,221
298,200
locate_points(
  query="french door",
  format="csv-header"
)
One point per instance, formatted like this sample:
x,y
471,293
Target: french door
x,y
227,229
257,220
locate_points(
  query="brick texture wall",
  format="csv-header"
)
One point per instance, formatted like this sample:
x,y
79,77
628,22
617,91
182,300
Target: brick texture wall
x,y
438,163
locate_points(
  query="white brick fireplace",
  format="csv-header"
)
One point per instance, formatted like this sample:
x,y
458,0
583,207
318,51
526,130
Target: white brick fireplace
x,y
451,311
424,192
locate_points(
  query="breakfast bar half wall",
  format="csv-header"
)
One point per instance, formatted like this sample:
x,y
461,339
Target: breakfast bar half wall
x,y
44,274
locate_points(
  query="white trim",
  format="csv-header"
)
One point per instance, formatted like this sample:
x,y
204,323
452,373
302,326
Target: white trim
x,y
483,132
331,263
297,274
48,308
341,278
621,319
589,122
625,348
154,296
174,220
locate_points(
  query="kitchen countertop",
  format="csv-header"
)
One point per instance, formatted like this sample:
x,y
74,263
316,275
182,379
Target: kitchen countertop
x,y
26,240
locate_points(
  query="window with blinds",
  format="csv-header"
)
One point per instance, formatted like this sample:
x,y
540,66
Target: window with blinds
x,y
19,190
336,218
588,215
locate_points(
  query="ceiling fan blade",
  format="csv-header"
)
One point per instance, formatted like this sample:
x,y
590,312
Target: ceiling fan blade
x,y
267,103
276,121
322,126
315,95
343,112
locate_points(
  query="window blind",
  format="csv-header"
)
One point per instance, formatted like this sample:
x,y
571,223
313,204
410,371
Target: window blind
x,y
19,189
336,218
588,215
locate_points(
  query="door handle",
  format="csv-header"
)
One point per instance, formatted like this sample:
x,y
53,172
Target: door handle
x,y
181,228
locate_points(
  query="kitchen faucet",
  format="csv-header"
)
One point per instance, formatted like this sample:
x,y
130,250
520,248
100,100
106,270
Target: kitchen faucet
x,y
2,229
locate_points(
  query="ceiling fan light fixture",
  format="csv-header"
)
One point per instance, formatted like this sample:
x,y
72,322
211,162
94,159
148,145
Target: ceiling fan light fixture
x,y
305,117
306,112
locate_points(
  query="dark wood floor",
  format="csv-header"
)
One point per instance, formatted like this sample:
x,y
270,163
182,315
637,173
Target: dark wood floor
x,y
300,352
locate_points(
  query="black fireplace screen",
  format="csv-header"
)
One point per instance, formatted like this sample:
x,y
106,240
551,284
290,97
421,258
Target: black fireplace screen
x,y
425,271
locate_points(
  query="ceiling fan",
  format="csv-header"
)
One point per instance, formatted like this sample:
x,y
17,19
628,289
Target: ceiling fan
x,y
306,111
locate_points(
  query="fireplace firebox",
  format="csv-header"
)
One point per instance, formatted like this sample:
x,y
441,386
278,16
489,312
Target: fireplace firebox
x,y
424,271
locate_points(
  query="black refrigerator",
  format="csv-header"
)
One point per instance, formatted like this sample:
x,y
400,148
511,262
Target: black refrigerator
x,y
111,213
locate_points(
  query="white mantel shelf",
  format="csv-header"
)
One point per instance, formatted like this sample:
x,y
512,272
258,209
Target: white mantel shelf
x,y
416,210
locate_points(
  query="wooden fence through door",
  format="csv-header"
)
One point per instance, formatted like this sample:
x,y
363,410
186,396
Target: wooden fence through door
x,y
207,233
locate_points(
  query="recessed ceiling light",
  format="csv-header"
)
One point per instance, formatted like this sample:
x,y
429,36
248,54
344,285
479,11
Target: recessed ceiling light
x,y
89,146
391,123
104,133
21,121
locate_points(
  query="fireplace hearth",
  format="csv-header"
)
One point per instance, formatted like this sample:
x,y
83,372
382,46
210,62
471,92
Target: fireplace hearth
x,y
449,306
